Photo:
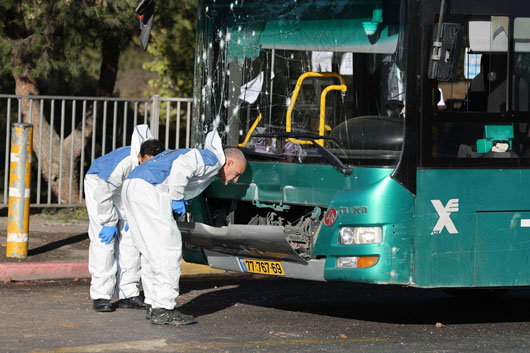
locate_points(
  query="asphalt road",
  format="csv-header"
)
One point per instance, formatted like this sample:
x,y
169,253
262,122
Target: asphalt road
x,y
257,314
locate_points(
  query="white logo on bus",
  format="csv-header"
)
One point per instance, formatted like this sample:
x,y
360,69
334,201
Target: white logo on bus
x,y
445,216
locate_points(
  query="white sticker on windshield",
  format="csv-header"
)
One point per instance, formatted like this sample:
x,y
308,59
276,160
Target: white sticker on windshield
x,y
346,64
250,91
321,61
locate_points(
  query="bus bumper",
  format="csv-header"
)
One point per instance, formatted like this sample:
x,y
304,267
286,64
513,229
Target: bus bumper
x,y
311,270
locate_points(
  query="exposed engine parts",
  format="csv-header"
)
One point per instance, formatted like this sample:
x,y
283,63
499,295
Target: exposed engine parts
x,y
298,233
243,228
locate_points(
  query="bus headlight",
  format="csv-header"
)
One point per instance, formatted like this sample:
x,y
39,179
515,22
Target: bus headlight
x,y
360,235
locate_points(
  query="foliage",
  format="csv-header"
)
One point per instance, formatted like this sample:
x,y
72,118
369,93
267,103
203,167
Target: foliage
x,y
133,58
36,36
132,78
172,44
60,41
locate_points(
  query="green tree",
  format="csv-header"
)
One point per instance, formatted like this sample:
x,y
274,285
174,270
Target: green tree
x,y
173,46
44,37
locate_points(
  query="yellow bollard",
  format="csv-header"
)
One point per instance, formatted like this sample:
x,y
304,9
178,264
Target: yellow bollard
x,y
19,190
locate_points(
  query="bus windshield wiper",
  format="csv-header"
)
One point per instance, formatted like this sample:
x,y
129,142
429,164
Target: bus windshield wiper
x,y
326,155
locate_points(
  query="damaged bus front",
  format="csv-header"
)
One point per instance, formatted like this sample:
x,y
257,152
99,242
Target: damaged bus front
x,y
314,93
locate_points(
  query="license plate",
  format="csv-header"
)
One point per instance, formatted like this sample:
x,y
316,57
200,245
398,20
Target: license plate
x,y
262,266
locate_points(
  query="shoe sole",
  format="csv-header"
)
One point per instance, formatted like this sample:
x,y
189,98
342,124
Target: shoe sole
x,y
178,323
128,306
103,310
156,321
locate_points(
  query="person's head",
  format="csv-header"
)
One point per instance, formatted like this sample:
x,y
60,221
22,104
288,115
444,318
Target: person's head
x,y
235,165
148,149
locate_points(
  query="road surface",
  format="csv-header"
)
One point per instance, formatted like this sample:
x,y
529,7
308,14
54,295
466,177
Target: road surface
x,y
266,314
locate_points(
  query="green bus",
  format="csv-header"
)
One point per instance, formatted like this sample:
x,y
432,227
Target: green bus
x,y
388,140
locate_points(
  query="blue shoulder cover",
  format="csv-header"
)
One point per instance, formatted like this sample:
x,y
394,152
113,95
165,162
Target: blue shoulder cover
x,y
105,165
157,169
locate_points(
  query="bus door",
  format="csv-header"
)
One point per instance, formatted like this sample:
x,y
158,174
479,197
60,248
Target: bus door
x,y
473,185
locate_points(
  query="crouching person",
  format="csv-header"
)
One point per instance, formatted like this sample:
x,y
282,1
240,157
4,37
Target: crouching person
x,y
113,262
151,193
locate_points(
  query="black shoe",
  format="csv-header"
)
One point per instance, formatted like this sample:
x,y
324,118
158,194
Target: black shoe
x,y
148,311
102,305
170,317
132,303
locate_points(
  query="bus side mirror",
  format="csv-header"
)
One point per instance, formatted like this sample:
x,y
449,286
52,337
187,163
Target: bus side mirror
x,y
446,51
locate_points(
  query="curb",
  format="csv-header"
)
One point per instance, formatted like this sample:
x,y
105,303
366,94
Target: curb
x,y
42,270
61,270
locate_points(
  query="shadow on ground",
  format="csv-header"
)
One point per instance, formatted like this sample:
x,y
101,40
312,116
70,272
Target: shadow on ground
x,y
58,244
377,303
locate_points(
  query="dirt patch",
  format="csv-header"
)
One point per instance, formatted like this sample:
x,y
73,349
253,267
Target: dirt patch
x,y
51,238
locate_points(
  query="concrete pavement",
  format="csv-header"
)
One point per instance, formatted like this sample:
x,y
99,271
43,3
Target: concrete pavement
x,y
58,248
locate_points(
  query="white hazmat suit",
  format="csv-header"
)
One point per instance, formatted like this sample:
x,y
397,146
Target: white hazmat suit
x,y
147,195
103,183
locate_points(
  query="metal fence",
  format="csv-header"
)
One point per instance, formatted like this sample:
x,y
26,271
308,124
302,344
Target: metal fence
x,y
70,132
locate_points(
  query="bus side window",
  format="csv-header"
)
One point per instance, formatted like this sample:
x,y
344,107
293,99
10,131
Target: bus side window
x,y
480,85
487,91
477,96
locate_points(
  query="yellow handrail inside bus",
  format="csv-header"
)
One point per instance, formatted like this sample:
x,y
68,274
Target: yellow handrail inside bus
x,y
322,124
244,143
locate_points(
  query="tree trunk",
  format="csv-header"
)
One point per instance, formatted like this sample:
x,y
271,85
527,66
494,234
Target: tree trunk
x,y
60,172
50,159
110,53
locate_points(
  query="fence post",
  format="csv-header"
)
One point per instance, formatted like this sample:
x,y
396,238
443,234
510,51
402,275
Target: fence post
x,y
19,191
155,115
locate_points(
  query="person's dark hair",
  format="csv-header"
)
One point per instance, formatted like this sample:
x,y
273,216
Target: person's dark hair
x,y
151,147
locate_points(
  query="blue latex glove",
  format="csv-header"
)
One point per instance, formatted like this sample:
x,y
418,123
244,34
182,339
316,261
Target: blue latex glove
x,y
126,228
179,207
107,234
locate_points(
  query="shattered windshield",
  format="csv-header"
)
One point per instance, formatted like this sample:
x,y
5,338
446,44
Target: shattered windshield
x,y
333,69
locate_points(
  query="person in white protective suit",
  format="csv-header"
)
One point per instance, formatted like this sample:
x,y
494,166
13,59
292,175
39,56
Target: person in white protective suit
x,y
150,194
103,201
